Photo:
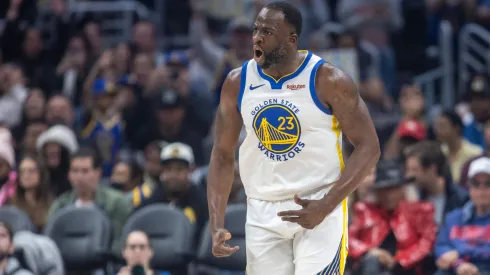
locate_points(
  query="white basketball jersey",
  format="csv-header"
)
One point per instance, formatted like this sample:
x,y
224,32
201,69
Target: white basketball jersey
x,y
293,143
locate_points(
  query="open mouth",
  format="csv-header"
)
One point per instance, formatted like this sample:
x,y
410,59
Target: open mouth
x,y
258,53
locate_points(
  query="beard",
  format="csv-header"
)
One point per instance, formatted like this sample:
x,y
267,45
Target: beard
x,y
274,57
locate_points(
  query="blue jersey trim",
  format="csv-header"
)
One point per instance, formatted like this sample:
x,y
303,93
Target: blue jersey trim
x,y
243,79
313,94
277,84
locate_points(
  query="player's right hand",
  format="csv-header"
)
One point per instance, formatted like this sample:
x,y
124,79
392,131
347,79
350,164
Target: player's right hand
x,y
220,247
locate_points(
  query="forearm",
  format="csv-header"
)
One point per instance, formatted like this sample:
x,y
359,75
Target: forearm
x,y
220,179
358,166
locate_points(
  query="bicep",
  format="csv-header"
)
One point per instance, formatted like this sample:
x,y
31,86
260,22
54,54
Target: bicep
x,y
228,122
349,109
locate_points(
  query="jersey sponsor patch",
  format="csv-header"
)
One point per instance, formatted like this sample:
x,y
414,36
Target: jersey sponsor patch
x,y
278,129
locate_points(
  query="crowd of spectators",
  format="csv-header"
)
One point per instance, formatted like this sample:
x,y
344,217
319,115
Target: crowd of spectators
x,y
122,127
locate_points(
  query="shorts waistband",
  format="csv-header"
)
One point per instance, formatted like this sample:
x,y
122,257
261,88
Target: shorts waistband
x,y
325,188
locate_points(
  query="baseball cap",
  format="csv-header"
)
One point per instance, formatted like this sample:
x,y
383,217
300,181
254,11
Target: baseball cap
x,y
169,99
103,86
177,151
389,174
479,165
479,87
412,128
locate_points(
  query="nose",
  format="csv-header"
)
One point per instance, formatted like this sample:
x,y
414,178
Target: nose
x,y
258,39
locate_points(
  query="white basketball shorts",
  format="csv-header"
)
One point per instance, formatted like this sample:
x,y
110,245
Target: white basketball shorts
x,y
276,247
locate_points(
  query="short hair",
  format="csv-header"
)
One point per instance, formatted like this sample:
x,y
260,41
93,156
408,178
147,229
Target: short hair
x,y
9,229
291,14
454,118
88,152
429,153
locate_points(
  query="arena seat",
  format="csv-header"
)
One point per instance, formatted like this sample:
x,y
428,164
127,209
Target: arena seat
x,y
170,232
83,236
235,223
16,218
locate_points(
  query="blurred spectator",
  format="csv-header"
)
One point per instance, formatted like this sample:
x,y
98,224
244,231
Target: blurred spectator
x,y
138,253
59,110
93,35
153,167
72,69
8,177
33,110
85,175
392,236
55,147
213,56
462,246
464,170
144,38
33,194
364,193
128,178
29,140
103,127
448,129
176,187
427,166
412,127
478,96
8,264
12,94
170,112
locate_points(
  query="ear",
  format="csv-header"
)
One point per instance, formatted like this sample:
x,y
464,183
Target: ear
x,y
293,38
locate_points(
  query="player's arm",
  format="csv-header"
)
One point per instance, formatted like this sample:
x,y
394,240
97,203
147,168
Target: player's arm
x,y
337,90
228,125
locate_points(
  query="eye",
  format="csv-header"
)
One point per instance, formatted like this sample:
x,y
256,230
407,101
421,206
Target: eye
x,y
255,29
268,33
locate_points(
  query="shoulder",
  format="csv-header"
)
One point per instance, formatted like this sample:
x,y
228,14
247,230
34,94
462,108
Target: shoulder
x,y
329,76
364,206
418,207
455,216
231,85
112,194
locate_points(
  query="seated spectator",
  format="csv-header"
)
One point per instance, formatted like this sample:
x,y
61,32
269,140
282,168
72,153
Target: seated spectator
x,y
426,164
32,194
85,175
55,147
177,188
463,246
394,235
128,178
28,142
8,264
153,165
486,153
137,253
478,97
7,164
412,127
102,126
448,129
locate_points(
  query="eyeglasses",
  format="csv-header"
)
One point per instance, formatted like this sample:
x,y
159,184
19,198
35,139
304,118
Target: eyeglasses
x,y
476,184
135,246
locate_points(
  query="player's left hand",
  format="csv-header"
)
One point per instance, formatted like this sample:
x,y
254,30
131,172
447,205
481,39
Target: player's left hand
x,y
309,217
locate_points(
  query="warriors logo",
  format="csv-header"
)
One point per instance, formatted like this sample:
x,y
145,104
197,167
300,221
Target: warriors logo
x,y
278,130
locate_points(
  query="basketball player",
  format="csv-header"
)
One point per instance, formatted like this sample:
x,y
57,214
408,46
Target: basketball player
x,y
295,107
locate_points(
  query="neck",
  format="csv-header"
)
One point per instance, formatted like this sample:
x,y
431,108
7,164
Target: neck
x,y
3,264
86,197
454,145
482,210
30,196
170,130
288,66
438,188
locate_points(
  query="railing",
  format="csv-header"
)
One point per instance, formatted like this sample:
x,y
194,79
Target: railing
x,y
444,73
474,53
117,28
